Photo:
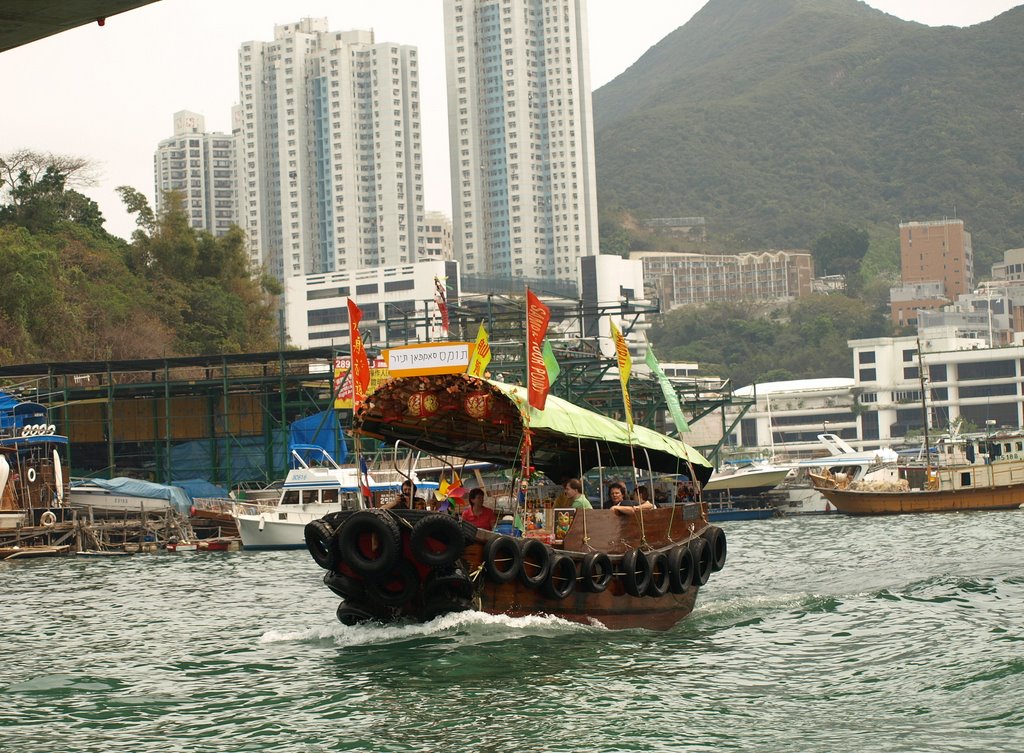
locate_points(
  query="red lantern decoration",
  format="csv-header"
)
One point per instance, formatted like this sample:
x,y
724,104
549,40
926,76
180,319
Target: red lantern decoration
x,y
422,404
478,405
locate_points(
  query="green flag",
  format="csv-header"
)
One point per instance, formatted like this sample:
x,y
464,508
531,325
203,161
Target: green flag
x,y
671,398
550,363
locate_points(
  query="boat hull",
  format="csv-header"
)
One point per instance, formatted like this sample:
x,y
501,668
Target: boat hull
x,y
854,502
614,607
104,502
273,528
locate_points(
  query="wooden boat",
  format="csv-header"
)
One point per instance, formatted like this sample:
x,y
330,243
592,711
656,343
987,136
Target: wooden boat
x,y
33,488
636,570
969,474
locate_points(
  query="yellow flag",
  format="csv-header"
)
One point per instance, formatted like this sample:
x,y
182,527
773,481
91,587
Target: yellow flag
x,y
625,367
481,354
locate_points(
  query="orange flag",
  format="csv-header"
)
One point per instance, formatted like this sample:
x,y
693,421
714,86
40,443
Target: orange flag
x,y
360,364
537,317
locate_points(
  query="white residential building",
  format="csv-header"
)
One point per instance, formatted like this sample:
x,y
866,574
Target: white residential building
x,y
201,167
331,156
524,192
437,237
404,295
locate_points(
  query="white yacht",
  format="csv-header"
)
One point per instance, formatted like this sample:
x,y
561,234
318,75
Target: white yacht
x,y
309,492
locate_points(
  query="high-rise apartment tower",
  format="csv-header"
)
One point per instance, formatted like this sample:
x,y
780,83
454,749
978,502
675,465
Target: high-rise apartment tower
x,y
331,157
524,194
201,167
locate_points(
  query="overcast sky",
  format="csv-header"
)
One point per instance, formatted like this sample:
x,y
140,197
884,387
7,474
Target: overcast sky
x,y
109,93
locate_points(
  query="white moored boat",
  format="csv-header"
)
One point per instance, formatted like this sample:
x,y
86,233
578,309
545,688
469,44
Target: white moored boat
x,y
125,496
744,479
310,491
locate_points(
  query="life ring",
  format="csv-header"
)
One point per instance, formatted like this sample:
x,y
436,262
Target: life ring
x,y
596,572
715,538
680,569
396,587
561,579
345,586
369,541
636,572
502,559
31,475
320,542
536,563
437,540
702,562
659,583
47,519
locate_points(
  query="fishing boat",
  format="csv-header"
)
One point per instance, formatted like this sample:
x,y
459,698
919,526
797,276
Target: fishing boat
x,y
797,495
32,484
965,473
638,569
316,486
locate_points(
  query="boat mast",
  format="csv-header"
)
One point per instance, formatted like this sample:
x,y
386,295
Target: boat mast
x,y
924,410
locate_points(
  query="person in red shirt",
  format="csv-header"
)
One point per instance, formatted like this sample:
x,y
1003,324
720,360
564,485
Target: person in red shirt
x,y
476,513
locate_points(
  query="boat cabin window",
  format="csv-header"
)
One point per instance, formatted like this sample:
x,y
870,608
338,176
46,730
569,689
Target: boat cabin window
x,y
328,496
290,497
965,478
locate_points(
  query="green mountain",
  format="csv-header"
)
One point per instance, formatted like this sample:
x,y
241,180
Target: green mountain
x,y
779,119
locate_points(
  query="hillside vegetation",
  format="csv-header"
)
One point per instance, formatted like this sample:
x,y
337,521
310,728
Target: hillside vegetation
x,y
779,119
73,292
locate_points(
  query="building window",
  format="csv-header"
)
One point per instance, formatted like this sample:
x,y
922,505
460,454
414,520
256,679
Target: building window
x,y
868,375
866,356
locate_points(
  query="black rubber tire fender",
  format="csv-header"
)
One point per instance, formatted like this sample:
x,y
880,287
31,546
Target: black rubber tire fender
x,y
715,538
702,563
345,586
352,614
320,543
680,569
596,572
636,572
659,583
561,579
453,585
376,528
536,563
437,540
503,559
396,586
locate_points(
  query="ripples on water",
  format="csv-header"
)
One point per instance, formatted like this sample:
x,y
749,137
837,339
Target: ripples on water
x,y
821,634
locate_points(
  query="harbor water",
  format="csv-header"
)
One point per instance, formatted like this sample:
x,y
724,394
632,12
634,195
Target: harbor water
x,y
821,634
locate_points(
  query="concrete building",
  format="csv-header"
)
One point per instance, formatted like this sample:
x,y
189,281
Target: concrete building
x,y
681,279
331,170
937,251
905,301
787,417
524,193
202,167
437,237
964,379
317,310
609,284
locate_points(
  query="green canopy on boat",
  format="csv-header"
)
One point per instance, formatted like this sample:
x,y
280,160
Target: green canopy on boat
x,y
479,419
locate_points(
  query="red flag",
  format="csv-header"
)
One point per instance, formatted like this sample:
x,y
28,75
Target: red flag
x,y
537,317
360,366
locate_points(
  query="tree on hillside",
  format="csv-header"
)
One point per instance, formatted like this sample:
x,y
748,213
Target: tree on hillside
x,y
839,251
39,203
202,285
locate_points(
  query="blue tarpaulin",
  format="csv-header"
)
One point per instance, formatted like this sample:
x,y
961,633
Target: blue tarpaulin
x,y
133,487
320,429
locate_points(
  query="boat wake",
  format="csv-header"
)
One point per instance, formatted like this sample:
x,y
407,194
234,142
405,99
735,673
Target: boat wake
x,y
476,627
